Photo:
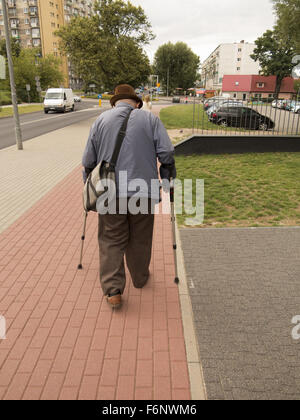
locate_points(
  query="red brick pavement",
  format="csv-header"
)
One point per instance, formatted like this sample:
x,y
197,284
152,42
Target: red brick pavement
x,y
63,341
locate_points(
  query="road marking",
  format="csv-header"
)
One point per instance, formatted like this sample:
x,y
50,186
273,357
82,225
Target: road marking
x,y
57,116
192,284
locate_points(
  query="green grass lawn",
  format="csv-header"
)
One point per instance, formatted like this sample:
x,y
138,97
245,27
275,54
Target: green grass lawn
x,y
25,109
246,190
182,116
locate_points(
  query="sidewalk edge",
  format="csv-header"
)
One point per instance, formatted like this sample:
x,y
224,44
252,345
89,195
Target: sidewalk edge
x,y
197,384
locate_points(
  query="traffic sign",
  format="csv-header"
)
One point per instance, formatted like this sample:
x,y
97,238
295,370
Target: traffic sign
x,y
39,89
37,78
99,96
28,88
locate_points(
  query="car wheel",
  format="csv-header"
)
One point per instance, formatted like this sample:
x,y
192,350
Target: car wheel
x,y
263,126
223,123
298,112
46,111
73,108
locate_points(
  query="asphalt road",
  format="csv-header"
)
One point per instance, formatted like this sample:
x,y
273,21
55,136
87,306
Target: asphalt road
x,y
38,123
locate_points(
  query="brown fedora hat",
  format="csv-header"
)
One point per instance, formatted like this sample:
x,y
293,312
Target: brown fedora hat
x,y
125,92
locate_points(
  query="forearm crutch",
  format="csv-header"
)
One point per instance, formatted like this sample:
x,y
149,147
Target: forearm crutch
x,y
174,228
82,241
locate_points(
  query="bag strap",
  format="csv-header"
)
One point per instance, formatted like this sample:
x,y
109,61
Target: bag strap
x,y
120,138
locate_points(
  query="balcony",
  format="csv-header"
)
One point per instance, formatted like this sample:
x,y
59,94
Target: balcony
x,y
11,3
33,11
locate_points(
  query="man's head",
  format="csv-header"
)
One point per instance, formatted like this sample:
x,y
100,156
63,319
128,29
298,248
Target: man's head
x,y
126,93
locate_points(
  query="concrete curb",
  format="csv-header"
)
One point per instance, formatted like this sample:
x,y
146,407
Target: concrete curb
x,y
197,384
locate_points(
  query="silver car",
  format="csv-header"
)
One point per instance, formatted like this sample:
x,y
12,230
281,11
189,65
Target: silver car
x,y
77,98
278,103
296,108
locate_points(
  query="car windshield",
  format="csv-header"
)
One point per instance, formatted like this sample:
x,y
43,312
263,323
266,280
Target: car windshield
x,y
54,95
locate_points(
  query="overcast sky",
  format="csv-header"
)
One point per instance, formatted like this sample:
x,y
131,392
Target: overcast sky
x,y
204,24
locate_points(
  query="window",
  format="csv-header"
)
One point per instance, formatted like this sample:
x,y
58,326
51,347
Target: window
x,y
239,59
240,50
238,68
35,33
260,85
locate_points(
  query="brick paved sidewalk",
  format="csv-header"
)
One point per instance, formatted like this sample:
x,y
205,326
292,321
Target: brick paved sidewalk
x,y
63,341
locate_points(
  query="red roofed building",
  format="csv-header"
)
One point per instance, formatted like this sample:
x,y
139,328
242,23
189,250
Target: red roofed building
x,y
259,87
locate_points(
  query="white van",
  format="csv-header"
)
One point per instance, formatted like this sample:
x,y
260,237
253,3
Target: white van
x,y
59,100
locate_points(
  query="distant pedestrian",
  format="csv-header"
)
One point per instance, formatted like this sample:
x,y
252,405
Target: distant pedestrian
x,y
148,101
128,234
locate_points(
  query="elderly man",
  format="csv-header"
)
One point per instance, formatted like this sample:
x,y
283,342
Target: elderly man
x,y
120,234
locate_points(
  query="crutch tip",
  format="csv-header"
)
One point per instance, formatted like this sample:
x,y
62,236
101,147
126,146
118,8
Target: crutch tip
x,y
79,267
176,280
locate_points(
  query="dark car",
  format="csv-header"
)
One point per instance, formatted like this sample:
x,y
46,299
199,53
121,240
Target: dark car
x,y
176,100
241,117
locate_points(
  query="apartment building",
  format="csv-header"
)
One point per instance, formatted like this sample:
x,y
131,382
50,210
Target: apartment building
x,y
34,23
228,59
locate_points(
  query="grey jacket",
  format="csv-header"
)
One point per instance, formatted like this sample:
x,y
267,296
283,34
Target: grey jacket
x,y
146,140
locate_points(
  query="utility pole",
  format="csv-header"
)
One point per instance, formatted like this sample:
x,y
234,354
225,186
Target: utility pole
x,y
12,78
168,77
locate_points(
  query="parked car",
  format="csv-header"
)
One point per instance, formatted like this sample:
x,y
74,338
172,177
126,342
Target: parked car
x,y
215,99
296,108
77,98
176,99
241,117
290,105
287,103
278,103
226,104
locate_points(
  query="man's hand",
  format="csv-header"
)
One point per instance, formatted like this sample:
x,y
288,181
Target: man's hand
x,y
167,171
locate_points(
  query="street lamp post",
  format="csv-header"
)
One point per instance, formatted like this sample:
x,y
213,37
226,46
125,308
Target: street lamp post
x,y
12,78
154,75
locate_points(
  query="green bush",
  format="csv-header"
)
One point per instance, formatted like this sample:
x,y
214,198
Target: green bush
x,y
5,98
107,97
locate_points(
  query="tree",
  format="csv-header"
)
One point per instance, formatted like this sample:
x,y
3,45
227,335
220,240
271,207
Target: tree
x,y
274,55
288,21
107,48
297,88
28,64
15,47
176,64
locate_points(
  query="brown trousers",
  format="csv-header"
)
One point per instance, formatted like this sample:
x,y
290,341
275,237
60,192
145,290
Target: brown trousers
x,y
129,235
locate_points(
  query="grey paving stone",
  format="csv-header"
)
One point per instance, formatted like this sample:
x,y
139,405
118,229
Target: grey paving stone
x,y
246,290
